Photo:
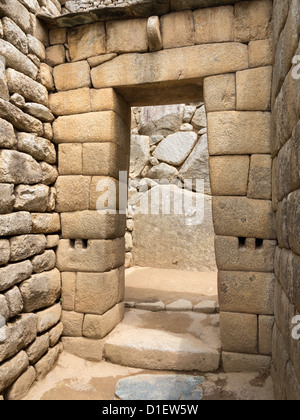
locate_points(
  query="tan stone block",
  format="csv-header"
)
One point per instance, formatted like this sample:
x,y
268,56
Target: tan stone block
x,y
237,362
127,36
98,256
246,292
104,159
185,63
92,225
22,385
72,193
177,29
55,334
55,55
105,194
265,328
70,159
100,59
97,293
12,369
58,36
45,77
105,126
253,89
47,363
243,217
72,75
45,222
231,255
109,100
99,326
68,291
86,348
219,93
239,332
215,24
293,214
229,175
260,53
260,178
253,20
72,322
70,102
86,41
239,133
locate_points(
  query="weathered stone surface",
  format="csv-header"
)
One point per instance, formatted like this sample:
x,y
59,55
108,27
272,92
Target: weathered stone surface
x,y
18,168
39,111
220,93
7,198
100,59
206,307
15,224
70,159
246,292
4,251
181,305
4,311
253,20
45,222
99,326
177,29
239,332
214,24
229,175
175,148
293,214
72,193
15,273
16,60
4,93
109,100
55,55
236,362
160,120
72,322
199,119
238,133
154,34
231,256
19,119
265,328
18,100
153,305
253,89
70,102
36,47
19,333
22,385
260,53
14,300
8,138
260,177
86,348
52,241
48,317
44,262
187,62
31,198
139,154
45,76
47,363
97,293
104,159
11,370
99,256
31,90
68,290
25,246
243,217
127,36
49,173
163,171
14,35
17,12
86,41
72,76
41,290
38,348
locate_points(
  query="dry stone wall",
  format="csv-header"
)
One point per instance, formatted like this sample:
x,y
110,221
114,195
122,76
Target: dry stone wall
x,y
286,197
169,147
30,285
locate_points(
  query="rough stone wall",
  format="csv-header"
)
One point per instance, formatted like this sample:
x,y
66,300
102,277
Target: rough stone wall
x,y
30,284
169,147
286,196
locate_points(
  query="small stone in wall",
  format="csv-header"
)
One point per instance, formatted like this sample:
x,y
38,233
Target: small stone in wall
x,y
175,148
186,127
163,171
155,139
199,119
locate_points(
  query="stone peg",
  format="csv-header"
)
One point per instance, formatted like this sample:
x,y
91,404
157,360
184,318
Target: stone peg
x,y
154,34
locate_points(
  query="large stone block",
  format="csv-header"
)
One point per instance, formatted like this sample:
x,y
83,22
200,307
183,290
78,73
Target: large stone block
x,y
238,133
14,273
41,290
175,148
31,198
99,326
177,29
253,20
260,53
72,322
17,60
45,222
92,225
15,224
8,138
14,35
31,90
239,333
109,100
48,318
70,159
170,65
237,362
214,24
38,348
55,334
86,41
47,363
14,301
260,177
229,175
12,369
246,292
25,246
70,102
232,256
105,159
265,329
19,168
68,291
72,193
220,93
7,198
99,256
55,55
253,89
86,348
17,12
127,36
44,262
21,386
243,217
19,119
72,76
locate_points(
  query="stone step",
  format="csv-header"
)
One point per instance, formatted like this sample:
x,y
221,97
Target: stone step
x,y
166,341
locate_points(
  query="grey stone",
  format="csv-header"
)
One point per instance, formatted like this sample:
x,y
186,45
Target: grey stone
x,y
12,369
44,262
15,224
18,100
175,148
47,363
4,93
55,334
14,300
25,246
189,112
18,168
186,127
155,139
49,173
7,135
139,154
199,119
48,317
37,147
22,385
206,307
31,198
19,119
17,12
39,111
163,171
30,89
160,387
181,305
14,35
153,306
36,47
16,60
4,251
4,310
38,348
161,120
14,274
7,198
